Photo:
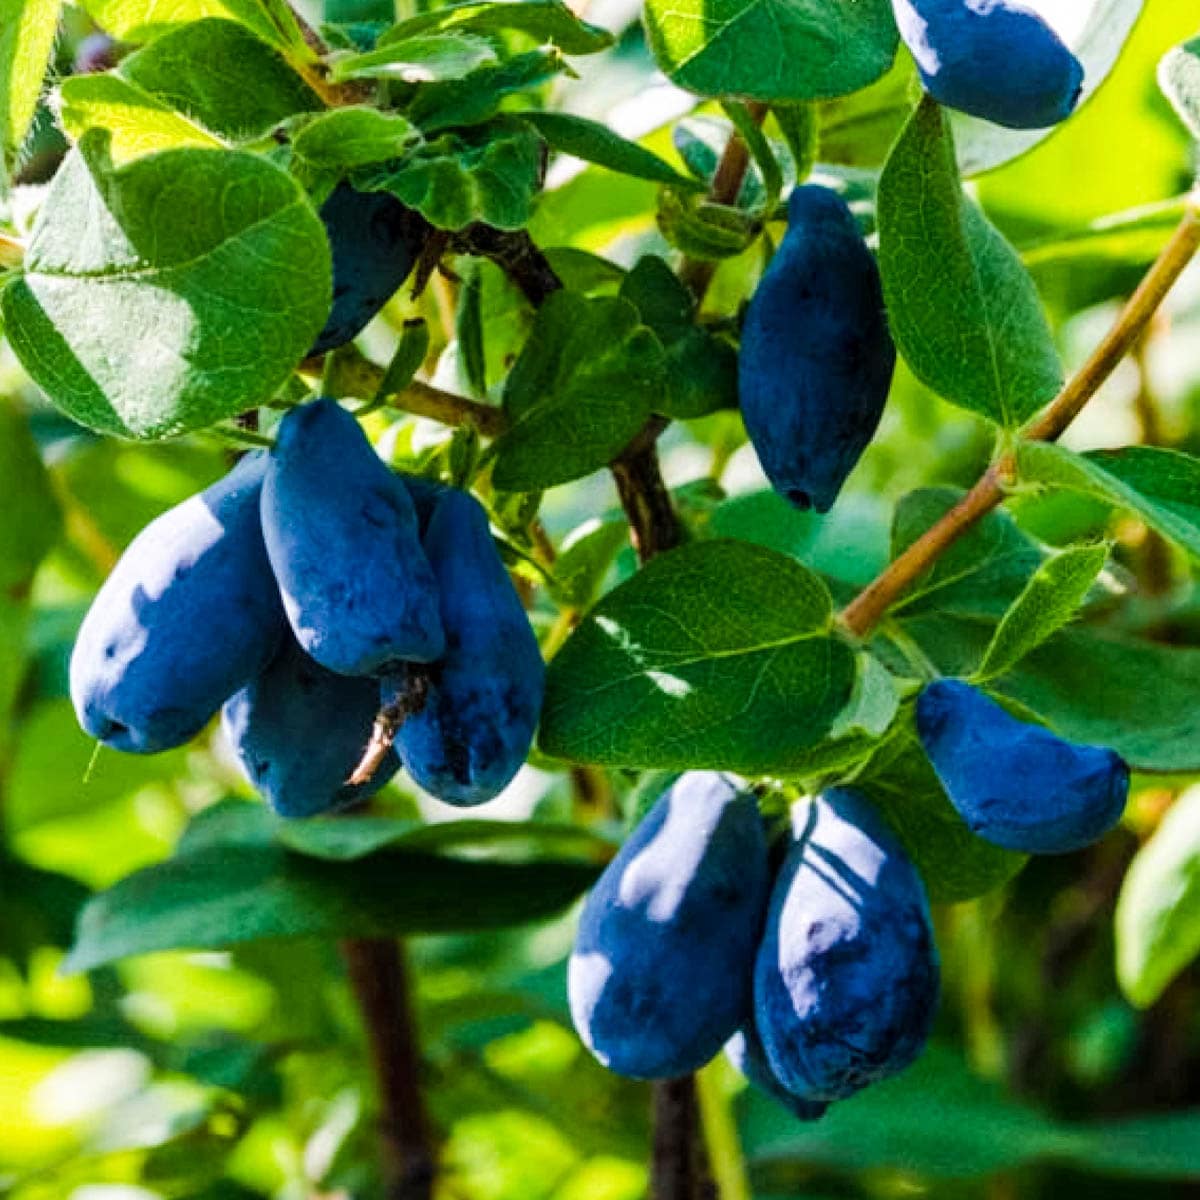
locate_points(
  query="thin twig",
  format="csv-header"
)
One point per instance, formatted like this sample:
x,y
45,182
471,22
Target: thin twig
x,y
675,1170
516,254
423,400
865,611
695,273
653,522
352,374
379,979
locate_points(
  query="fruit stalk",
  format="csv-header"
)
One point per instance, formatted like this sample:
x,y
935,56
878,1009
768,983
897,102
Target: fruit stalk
x,y
379,979
865,611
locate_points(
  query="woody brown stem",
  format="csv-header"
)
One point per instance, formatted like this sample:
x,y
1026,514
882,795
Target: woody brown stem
x,y
865,611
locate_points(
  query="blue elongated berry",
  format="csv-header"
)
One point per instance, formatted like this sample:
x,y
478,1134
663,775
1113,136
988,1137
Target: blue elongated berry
x,y
660,975
343,540
816,359
994,59
187,616
745,1051
484,696
300,730
846,978
375,241
1014,783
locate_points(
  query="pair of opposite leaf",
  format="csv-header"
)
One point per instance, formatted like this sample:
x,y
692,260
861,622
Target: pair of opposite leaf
x,y
298,592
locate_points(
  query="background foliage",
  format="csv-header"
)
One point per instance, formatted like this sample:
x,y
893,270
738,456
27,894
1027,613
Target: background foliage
x,y
1067,1050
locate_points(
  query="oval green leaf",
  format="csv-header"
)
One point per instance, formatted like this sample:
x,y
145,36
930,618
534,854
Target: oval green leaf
x,y
715,655
170,293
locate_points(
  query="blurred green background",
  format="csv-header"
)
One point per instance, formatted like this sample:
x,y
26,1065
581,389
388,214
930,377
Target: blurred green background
x,y
243,1073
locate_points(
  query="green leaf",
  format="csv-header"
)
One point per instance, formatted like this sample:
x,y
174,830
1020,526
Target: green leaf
x,y
936,1120
850,544
15,624
581,270
717,655
354,137
596,143
1160,486
544,20
411,352
771,49
582,387
203,70
477,96
962,308
430,59
1157,921
939,1121
701,368
981,574
702,229
859,130
1140,698
143,20
30,517
468,331
27,31
761,153
347,839
56,772
37,908
485,173
1049,601
1103,259
585,560
800,127
235,883
1179,78
874,703
137,123
170,293
955,864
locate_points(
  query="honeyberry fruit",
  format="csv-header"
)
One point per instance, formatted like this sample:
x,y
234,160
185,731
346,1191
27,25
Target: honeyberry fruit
x,y
1014,783
189,614
846,977
484,695
375,241
994,59
343,539
816,359
745,1051
299,731
660,975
